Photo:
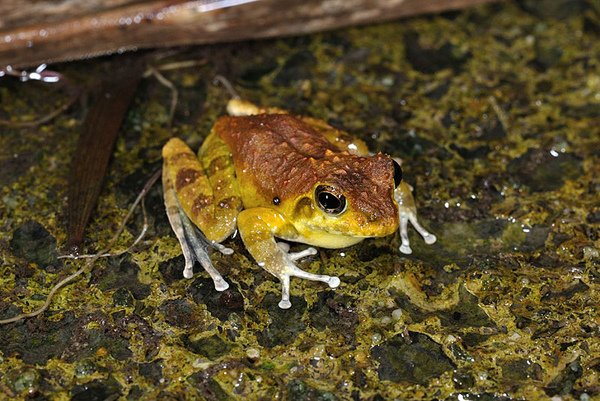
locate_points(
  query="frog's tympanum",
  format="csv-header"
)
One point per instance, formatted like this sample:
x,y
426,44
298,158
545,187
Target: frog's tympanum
x,y
270,174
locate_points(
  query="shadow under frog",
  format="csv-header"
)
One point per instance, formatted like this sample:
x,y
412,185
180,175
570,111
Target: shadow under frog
x,y
270,174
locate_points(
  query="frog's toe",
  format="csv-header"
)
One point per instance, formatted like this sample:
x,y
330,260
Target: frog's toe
x,y
429,238
285,304
220,284
333,282
302,254
188,271
405,249
222,248
285,247
285,292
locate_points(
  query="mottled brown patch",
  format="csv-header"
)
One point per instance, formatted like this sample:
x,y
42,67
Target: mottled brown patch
x,y
201,202
218,164
230,203
186,177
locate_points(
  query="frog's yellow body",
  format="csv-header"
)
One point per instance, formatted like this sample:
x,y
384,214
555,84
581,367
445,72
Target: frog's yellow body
x,y
272,175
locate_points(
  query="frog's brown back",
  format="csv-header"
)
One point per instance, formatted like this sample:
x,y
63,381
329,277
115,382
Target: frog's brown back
x,y
285,157
276,149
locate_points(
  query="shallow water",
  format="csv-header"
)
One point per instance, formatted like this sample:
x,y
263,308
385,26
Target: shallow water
x,y
495,113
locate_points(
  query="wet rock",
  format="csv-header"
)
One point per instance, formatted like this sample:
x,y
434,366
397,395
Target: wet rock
x,y
541,171
181,313
220,304
490,228
85,367
563,383
467,313
97,390
521,370
300,391
432,60
478,152
462,379
559,9
415,360
38,340
136,393
594,216
16,164
411,145
286,324
32,242
472,340
336,312
535,238
546,55
559,295
213,347
151,370
207,387
439,91
297,67
172,269
122,297
121,272
23,381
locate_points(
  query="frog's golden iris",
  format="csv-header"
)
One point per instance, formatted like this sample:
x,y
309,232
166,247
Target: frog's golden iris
x,y
272,175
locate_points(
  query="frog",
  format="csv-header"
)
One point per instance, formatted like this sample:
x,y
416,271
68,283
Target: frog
x,y
275,177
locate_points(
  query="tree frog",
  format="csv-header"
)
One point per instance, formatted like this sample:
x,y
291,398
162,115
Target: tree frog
x,y
270,174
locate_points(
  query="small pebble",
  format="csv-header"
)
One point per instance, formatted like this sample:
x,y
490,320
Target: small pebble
x,y
252,353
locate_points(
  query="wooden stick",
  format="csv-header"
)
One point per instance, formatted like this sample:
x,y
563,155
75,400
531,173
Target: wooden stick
x,y
51,34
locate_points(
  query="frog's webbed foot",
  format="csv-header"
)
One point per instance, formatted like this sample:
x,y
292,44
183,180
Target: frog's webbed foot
x,y
193,244
408,213
292,270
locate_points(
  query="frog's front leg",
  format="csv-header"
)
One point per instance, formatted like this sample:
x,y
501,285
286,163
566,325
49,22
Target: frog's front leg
x,y
408,213
258,228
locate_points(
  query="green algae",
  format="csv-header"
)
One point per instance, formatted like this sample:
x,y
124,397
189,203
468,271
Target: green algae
x,y
494,111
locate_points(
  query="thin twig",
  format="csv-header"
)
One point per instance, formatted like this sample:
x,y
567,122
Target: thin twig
x,y
174,92
90,262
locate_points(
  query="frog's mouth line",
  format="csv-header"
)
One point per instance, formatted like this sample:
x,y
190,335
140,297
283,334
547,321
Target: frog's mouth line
x,y
345,233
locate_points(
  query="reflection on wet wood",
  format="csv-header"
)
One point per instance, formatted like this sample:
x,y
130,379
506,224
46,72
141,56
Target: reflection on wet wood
x,y
46,32
98,135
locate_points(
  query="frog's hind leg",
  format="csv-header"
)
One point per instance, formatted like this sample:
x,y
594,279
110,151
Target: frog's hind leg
x,y
408,213
191,200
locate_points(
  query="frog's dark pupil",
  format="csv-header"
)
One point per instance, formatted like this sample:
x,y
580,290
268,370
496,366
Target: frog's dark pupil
x,y
329,202
397,173
276,201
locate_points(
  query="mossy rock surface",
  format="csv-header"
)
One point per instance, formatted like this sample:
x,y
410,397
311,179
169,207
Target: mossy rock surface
x,y
494,111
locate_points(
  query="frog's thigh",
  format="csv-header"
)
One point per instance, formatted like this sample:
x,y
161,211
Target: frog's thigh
x,y
184,179
258,227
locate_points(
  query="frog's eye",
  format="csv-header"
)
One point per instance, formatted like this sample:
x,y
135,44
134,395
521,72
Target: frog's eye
x,y
397,173
329,201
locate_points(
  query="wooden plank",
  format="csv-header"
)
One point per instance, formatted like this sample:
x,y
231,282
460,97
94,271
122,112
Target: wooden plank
x,y
49,33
